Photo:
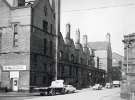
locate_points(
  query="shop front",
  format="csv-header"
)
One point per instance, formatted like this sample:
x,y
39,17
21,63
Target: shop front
x,y
13,78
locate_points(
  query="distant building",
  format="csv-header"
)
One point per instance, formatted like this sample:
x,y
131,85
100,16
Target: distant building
x,y
116,66
103,51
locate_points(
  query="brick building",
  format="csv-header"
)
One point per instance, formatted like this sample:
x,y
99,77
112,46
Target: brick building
x,y
27,48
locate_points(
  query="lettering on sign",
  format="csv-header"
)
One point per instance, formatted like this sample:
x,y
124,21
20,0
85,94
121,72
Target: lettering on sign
x,y
15,67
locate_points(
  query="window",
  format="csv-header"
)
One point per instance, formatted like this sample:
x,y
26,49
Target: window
x,y
51,29
45,46
21,2
0,40
45,67
60,55
51,48
15,37
72,58
45,26
35,58
45,10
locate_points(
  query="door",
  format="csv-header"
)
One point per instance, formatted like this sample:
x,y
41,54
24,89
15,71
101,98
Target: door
x,y
15,84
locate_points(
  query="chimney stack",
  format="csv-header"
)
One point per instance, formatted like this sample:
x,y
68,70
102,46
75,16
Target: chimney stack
x,y
68,27
85,41
77,36
108,37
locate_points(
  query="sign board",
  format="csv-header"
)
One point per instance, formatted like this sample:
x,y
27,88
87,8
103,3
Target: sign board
x,y
14,74
15,67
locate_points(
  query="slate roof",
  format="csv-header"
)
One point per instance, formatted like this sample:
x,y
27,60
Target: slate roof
x,y
100,45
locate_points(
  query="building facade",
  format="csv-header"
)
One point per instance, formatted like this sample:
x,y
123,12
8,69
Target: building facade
x,y
28,48
128,76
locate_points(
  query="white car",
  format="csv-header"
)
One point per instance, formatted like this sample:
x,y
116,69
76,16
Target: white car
x,y
108,85
97,87
69,89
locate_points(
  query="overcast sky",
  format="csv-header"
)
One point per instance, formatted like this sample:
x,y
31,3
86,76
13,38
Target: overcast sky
x,y
96,18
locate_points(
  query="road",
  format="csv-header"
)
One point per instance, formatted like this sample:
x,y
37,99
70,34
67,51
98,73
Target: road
x,y
86,94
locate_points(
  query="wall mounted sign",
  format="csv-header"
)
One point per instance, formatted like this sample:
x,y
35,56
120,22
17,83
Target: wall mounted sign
x,y
14,67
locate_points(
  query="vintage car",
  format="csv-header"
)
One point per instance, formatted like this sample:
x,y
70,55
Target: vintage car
x,y
97,87
69,89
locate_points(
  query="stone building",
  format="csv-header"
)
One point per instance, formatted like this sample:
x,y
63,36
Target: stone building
x,y
28,48
103,55
128,76
117,61
27,43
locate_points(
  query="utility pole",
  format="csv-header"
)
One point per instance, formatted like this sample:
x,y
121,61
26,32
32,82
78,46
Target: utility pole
x,y
57,30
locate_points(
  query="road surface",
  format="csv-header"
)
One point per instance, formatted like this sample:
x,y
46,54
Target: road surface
x,y
86,94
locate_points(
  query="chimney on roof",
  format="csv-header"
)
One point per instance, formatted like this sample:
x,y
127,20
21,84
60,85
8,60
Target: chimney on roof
x,y
77,36
108,37
85,41
68,29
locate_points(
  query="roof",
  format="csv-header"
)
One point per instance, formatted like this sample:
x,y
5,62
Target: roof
x,y
100,45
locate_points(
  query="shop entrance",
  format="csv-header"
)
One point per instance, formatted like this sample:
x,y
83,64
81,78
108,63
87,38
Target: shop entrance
x,y
14,84
14,77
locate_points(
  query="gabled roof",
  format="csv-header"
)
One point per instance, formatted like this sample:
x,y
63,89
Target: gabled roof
x,y
98,45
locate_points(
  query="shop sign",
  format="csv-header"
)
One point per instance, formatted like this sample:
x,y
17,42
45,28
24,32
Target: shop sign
x,y
14,74
15,67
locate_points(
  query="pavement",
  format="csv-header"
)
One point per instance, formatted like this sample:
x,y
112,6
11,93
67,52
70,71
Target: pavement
x,y
17,94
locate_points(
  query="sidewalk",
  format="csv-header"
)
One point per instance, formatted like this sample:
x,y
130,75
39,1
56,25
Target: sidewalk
x,y
17,94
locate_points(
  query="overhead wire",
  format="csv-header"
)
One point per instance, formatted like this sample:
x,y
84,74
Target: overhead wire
x,y
96,8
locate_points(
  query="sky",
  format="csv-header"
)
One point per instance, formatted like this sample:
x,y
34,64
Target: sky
x,y
96,18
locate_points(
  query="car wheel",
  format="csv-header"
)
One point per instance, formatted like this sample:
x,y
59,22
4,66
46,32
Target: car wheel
x,y
52,92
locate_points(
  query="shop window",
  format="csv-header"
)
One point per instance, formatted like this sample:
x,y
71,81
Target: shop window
x,y
45,26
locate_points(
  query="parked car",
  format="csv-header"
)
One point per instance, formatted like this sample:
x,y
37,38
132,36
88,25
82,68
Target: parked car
x,y
116,83
97,87
108,85
69,89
